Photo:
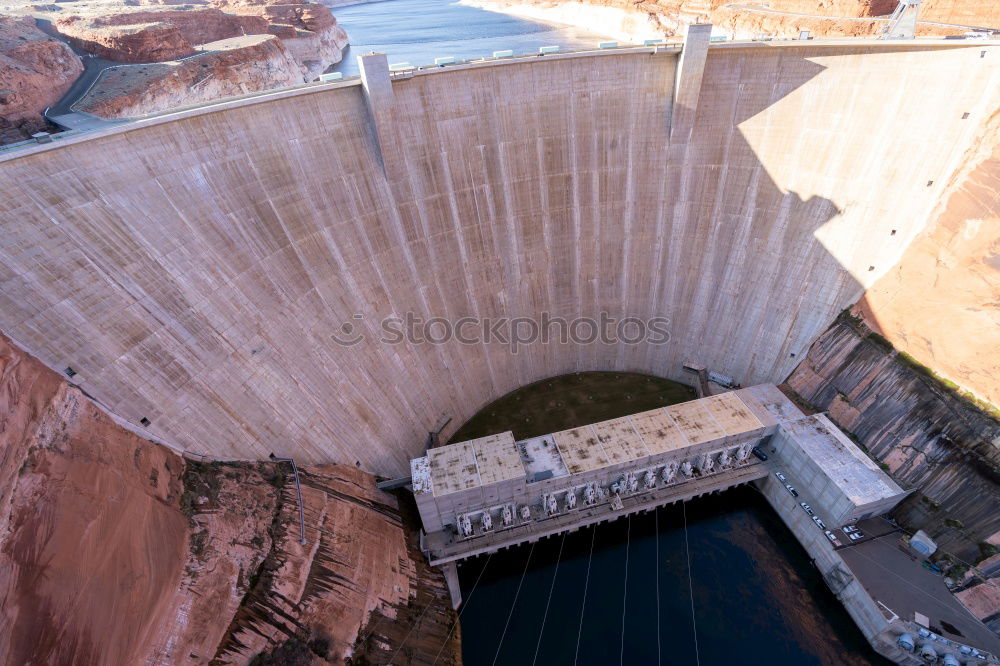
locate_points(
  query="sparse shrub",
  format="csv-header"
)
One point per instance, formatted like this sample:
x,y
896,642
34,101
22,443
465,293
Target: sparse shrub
x,y
199,540
934,506
201,479
957,572
880,342
851,318
320,645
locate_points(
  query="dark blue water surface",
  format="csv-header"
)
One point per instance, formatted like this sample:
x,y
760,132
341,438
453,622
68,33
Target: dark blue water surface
x,y
757,599
417,31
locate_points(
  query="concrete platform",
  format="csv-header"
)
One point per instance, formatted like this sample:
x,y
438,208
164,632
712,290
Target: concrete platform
x,y
442,549
891,573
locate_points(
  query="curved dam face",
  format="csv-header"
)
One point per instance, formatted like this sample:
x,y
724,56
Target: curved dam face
x,y
194,269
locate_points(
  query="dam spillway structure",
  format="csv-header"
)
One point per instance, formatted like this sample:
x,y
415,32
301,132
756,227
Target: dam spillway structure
x,y
223,278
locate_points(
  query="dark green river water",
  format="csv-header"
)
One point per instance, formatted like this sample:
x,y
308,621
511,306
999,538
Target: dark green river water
x,y
753,597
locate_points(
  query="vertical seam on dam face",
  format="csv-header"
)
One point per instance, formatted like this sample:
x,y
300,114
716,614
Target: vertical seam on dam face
x,y
551,185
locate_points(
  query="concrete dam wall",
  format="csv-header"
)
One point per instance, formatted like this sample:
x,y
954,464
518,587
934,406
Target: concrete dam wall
x,y
192,269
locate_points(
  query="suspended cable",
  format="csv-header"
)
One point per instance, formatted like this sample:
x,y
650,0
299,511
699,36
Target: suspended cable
x,y
464,606
514,605
656,516
687,550
552,587
628,543
586,584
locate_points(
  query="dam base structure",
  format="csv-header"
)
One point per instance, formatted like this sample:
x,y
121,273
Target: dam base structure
x,y
492,493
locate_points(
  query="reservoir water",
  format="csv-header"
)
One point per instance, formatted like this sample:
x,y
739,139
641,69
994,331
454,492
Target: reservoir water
x,y
417,31
747,595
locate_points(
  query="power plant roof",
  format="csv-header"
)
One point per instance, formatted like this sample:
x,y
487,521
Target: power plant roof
x,y
856,475
489,460
580,449
477,462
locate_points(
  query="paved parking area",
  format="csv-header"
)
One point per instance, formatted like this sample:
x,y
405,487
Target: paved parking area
x,y
892,575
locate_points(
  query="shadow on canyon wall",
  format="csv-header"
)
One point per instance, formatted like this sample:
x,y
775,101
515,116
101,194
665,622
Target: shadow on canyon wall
x,y
928,438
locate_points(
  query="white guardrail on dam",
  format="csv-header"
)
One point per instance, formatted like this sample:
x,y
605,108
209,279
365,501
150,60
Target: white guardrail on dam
x,y
400,70
405,70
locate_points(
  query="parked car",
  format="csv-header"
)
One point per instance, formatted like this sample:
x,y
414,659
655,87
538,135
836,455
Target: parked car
x,y
805,507
760,454
792,490
850,528
832,537
819,522
856,536
780,476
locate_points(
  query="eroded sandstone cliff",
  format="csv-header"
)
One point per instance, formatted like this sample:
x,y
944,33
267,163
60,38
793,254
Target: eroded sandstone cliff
x,y
193,52
154,35
219,69
92,542
35,71
941,303
116,550
928,437
149,32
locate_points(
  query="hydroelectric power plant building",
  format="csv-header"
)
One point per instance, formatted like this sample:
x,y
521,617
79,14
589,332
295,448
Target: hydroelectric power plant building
x,y
493,492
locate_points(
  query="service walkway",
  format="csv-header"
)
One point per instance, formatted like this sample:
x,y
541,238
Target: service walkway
x,y
443,549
